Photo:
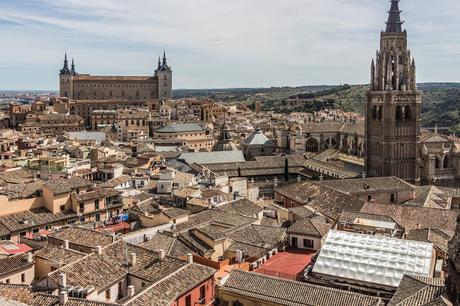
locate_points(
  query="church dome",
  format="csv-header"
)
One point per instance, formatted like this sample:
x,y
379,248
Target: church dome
x,y
257,139
224,146
225,141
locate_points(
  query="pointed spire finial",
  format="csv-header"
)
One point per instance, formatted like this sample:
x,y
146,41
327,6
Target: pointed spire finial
x,y
164,57
72,69
65,67
394,23
436,129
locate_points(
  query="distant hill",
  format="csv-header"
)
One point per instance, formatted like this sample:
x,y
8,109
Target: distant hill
x,y
441,101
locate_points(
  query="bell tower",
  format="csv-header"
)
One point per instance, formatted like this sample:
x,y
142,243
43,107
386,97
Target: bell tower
x,y
393,106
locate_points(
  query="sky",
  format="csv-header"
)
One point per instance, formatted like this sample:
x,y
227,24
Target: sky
x,y
220,44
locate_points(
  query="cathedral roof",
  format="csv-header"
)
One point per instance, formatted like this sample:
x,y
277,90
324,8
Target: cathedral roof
x,y
394,23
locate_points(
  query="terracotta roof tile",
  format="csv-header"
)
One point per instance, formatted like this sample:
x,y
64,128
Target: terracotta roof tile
x,y
292,293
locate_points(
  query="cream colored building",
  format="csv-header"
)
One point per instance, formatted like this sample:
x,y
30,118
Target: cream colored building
x,y
78,86
192,134
17,269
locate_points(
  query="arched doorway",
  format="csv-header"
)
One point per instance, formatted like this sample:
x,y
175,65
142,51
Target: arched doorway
x,y
312,145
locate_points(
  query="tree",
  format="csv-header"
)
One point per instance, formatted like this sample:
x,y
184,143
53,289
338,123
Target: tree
x,y
286,170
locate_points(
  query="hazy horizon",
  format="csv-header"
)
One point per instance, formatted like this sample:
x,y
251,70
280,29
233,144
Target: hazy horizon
x,y
229,88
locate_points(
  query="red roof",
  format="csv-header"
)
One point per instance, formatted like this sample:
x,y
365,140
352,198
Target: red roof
x,y
12,248
117,227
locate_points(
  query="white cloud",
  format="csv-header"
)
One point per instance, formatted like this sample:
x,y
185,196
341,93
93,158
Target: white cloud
x,y
232,43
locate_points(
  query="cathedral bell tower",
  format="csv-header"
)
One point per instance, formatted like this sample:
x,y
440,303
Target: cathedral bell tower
x,y
393,107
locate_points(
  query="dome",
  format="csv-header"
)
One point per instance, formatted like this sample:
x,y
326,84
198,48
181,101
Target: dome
x,y
257,139
222,146
225,141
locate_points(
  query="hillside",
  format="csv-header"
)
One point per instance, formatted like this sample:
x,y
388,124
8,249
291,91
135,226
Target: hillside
x,y
441,101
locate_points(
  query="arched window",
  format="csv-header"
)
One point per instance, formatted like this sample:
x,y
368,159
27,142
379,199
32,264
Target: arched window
x,y
380,113
398,112
374,112
437,163
408,113
312,145
330,143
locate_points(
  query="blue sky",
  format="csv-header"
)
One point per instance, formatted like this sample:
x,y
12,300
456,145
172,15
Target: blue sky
x,y
209,43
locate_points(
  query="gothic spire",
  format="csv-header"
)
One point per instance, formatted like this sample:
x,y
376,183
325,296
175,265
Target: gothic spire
x,y
72,69
159,62
394,23
164,57
65,69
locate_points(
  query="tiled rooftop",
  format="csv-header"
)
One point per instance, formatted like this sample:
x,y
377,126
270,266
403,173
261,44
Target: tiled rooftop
x,y
292,293
83,236
13,263
64,185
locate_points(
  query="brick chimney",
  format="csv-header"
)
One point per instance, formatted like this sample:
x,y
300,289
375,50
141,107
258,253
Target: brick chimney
x,y
161,254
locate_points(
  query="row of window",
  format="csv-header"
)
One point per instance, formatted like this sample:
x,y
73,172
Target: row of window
x,y
113,85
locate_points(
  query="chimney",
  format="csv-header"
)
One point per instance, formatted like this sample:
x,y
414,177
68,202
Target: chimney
x,y
62,280
190,258
30,257
132,259
131,291
63,297
66,244
99,249
161,254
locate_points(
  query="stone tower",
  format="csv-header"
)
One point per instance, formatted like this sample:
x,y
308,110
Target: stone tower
x,y
393,107
66,79
164,74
